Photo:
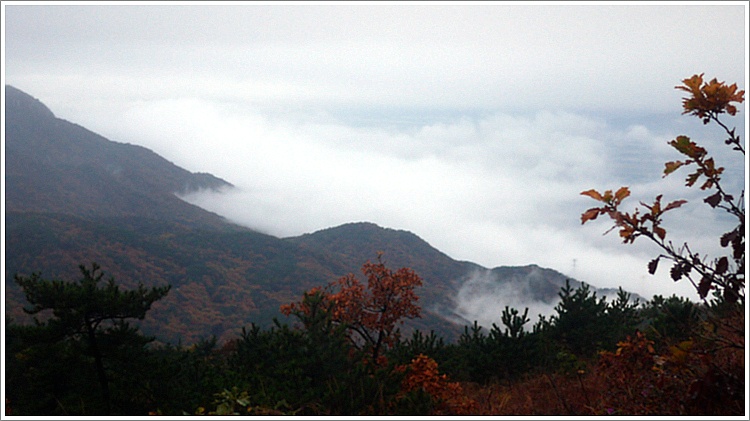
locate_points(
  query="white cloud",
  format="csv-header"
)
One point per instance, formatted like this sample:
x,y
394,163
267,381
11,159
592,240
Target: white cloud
x,y
466,187
475,127
482,299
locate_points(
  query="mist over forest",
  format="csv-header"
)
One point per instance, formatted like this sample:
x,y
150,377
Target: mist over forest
x,y
360,209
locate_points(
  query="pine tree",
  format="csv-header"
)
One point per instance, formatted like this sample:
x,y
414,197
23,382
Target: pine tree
x,y
91,319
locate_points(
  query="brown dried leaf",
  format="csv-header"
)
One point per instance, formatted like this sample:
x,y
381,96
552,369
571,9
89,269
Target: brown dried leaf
x,y
592,194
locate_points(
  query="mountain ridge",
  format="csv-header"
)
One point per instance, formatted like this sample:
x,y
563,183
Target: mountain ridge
x,y
120,178
73,197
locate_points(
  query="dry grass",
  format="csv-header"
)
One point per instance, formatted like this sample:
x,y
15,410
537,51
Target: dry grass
x,y
542,394
706,380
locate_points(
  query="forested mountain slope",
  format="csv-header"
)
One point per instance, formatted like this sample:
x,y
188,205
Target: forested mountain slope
x,y
53,165
74,197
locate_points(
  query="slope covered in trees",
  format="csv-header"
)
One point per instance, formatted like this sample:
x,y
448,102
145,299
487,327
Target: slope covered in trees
x,y
74,197
339,353
342,350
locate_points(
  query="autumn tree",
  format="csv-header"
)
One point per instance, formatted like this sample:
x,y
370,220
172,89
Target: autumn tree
x,y
446,397
89,317
367,317
371,313
701,374
726,274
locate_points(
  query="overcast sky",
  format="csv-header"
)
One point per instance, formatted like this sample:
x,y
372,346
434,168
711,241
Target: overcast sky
x,y
474,126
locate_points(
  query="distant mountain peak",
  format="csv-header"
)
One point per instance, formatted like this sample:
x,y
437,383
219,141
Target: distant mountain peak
x,y
369,239
358,227
20,102
53,165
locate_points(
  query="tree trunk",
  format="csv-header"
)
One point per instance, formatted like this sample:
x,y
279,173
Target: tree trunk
x,y
100,373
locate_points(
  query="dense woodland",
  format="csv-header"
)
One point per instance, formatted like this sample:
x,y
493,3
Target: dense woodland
x,y
339,350
592,357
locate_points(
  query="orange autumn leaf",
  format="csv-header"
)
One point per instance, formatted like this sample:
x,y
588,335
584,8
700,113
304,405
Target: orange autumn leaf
x,y
709,99
370,312
672,166
590,215
675,204
661,232
449,396
592,194
622,193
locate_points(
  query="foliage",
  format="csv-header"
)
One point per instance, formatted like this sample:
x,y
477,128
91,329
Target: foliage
x,y
671,319
344,355
89,332
293,366
725,274
695,367
582,325
318,366
708,100
446,396
636,384
81,308
371,314
228,402
315,369
683,380
419,343
576,322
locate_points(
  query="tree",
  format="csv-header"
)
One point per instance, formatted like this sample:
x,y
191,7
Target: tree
x,y
447,398
726,274
580,323
85,314
671,319
703,369
623,317
371,313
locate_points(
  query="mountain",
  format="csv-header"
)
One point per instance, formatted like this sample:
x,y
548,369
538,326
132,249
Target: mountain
x,y
453,291
353,244
74,197
53,165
